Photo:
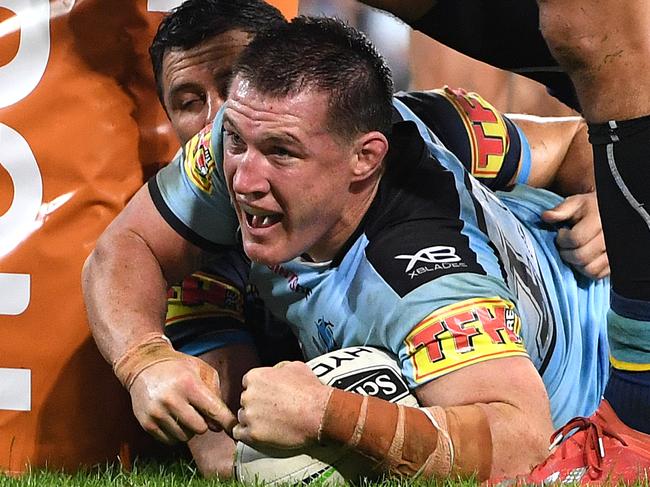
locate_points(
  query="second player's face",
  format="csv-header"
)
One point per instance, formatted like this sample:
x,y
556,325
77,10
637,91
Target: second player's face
x,y
195,81
288,177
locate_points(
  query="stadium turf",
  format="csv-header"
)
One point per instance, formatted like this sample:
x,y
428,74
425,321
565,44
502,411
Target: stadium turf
x,y
159,475
171,475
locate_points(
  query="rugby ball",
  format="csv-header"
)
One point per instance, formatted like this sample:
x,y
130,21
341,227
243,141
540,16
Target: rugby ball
x,y
364,370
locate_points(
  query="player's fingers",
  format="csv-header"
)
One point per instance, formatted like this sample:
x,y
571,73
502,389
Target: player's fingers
x,y
176,419
188,419
163,437
207,399
585,228
583,254
591,263
217,415
243,430
581,234
598,268
171,426
159,433
568,210
241,416
240,433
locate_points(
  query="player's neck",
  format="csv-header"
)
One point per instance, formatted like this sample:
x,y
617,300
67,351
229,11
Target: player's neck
x,y
354,210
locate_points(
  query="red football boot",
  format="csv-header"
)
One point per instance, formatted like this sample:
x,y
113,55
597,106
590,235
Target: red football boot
x,y
603,450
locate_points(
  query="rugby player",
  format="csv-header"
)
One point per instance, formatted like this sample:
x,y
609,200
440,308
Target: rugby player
x,y
324,207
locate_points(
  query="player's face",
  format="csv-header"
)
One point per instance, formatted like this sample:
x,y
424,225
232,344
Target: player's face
x,y
288,177
195,81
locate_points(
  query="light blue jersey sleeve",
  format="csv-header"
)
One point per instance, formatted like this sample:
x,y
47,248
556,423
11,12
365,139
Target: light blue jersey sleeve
x,y
477,323
525,158
191,192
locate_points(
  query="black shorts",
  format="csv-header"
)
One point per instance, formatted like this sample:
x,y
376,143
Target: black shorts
x,y
503,33
622,170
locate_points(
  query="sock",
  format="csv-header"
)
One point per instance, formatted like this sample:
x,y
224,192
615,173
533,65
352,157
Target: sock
x,y
629,395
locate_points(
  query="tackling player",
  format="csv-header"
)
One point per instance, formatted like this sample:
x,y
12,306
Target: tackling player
x,y
209,313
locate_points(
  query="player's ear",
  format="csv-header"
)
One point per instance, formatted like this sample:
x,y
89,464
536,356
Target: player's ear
x,y
371,148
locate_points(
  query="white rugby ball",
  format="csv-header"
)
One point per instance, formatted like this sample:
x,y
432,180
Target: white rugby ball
x,y
364,370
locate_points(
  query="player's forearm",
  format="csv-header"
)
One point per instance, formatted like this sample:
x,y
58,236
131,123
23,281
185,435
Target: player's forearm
x,y
519,437
490,440
423,442
575,174
515,406
561,157
124,292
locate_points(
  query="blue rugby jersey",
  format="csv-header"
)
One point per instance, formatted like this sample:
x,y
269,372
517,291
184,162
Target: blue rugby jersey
x,y
442,271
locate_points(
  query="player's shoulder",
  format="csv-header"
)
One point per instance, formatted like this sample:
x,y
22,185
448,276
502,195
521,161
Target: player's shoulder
x,y
409,251
483,140
199,159
434,105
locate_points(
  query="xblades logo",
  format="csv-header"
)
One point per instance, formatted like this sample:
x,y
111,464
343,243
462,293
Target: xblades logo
x,y
431,255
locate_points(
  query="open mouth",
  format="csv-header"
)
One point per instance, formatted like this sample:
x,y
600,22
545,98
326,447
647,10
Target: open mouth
x,y
261,219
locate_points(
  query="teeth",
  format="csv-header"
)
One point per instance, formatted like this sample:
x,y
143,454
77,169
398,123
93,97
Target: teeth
x,y
259,221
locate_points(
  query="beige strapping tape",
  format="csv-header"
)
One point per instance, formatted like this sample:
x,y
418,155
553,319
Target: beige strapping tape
x,y
361,424
441,461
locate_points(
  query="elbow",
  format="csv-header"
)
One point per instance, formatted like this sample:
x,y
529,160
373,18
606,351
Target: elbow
x,y
519,438
89,268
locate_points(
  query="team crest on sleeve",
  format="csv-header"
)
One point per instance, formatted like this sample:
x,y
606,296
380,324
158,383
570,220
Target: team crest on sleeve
x,y
203,296
486,131
463,334
199,159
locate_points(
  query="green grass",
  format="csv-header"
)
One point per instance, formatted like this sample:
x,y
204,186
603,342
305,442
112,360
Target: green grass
x,y
143,475
178,474
159,475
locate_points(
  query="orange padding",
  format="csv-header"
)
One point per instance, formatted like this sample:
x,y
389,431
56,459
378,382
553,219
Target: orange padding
x,y
407,441
153,349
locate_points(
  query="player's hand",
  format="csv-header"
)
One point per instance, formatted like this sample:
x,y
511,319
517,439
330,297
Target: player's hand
x,y
582,243
281,407
177,399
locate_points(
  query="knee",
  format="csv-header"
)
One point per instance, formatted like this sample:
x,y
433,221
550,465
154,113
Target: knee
x,y
214,466
573,37
213,454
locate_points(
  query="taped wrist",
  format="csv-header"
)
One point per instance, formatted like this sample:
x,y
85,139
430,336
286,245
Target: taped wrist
x,y
410,441
153,349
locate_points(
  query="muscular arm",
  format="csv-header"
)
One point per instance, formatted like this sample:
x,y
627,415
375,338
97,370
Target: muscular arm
x,y
476,133
287,407
125,278
560,153
515,403
562,161
174,396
